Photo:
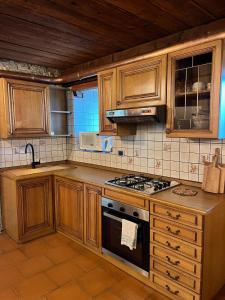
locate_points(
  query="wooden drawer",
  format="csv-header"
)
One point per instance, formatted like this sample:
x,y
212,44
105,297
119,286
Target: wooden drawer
x,y
173,229
127,198
186,249
176,276
173,290
178,215
175,260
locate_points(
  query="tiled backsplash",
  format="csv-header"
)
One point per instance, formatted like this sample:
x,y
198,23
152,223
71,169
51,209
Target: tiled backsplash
x,y
152,152
12,152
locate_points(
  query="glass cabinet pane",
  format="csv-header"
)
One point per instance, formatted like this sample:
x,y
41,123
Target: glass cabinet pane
x,y
193,77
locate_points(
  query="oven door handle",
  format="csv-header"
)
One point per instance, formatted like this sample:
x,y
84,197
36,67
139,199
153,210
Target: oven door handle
x,y
115,217
112,217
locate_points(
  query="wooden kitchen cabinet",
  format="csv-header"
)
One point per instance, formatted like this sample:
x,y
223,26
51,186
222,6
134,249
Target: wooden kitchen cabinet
x,y
69,207
28,207
92,217
194,106
107,101
142,83
24,109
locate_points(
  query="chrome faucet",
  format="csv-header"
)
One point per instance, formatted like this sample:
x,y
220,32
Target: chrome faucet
x,y
34,163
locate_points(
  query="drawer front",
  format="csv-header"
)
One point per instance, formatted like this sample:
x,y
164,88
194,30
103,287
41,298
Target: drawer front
x,y
187,234
173,290
177,261
180,247
176,276
127,198
177,215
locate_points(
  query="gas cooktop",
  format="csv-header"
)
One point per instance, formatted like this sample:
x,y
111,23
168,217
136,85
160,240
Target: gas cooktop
x,y
142,183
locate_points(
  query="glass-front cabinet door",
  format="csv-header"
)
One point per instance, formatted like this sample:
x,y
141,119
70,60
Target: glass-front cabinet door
x,y
194,91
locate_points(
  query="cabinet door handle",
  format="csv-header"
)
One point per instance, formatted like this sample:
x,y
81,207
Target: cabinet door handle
x,y
170,246
171,291
172,277
118,103
175,263
177,217
177,232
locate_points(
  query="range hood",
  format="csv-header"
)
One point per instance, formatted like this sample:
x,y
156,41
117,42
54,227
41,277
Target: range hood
x,y
138,115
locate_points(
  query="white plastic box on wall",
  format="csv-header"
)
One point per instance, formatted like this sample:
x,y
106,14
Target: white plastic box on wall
x,y
92,141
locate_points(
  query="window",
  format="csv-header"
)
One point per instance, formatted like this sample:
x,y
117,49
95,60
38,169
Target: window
x,y
86,111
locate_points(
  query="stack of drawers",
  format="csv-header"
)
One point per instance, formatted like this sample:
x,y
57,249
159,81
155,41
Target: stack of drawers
x,y
176,251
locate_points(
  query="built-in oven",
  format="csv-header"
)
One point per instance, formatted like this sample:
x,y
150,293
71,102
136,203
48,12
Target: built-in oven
x,y
112,214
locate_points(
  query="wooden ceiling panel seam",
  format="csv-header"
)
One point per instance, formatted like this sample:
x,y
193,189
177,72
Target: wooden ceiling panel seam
x,y
14,13
63,13
42,33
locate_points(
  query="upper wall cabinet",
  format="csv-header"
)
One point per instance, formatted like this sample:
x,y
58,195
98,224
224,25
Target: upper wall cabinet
x,y
194,91
107,101
24,109
142,83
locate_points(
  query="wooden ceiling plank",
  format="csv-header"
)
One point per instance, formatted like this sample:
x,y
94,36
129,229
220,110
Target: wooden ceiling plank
x,y
109,14
217,8
184,10
146,11
21,57
63,27
45,35
37,52
65,14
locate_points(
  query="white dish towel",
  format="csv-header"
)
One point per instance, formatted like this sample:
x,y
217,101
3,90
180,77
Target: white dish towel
x,y
129,234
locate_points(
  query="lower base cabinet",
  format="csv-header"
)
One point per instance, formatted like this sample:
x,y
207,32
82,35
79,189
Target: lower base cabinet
x,y
69,207
92,217
78,211
28,207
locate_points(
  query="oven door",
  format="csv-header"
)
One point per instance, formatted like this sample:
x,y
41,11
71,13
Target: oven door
x,y
111,239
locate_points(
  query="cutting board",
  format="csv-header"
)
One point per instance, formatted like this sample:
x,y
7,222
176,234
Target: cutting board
x,y
212,181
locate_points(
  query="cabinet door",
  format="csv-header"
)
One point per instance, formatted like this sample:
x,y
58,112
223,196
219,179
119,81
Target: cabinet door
x,y
194,91
107,97
35,208
69,204
28,108
92,211
142,83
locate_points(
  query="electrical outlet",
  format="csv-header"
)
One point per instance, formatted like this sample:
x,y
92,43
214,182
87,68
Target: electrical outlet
x,y
120,153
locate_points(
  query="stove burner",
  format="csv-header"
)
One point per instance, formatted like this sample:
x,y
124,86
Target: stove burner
x,y
142,183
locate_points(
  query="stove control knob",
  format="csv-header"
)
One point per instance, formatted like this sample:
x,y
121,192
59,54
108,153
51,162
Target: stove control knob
x,y
156,188
110,205
122,209
135,214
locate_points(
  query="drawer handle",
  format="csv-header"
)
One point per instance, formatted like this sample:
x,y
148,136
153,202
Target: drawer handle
x,y
171,291
172,277
171,247
177,217
175,263
177,232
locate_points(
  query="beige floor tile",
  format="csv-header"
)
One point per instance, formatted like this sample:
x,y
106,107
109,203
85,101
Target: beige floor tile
x,y
9,276
96,281
34,265
35,287
65,272
8,294
70,291
12,258
60,254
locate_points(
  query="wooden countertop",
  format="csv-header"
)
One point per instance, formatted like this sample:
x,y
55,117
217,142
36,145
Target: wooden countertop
x,y
28,172
203,202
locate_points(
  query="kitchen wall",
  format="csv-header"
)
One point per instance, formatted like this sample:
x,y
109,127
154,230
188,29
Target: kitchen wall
x,y
46,149
151,151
